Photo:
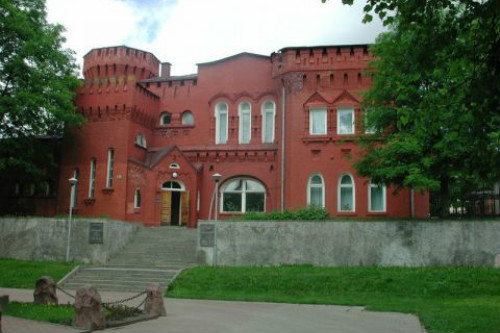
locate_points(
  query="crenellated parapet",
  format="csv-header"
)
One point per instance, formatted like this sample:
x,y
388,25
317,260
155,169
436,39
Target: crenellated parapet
x,y
119,112
120,61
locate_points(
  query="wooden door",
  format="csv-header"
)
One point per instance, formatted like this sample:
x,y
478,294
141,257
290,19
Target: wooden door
x,y
166,208
185,208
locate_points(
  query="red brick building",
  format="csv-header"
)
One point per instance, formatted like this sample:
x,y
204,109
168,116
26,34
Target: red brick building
x,y
279,129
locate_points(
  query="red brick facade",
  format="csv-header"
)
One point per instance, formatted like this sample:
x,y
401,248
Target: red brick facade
x,y
216,122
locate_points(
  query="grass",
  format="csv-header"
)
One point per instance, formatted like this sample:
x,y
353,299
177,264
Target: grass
x,y
24,273
446,299
58,314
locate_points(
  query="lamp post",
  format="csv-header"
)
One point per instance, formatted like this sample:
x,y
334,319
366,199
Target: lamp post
x,y
73,181
216,177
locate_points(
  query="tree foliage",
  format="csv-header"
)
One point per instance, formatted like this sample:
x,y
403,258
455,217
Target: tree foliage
x,y
38,81
435,98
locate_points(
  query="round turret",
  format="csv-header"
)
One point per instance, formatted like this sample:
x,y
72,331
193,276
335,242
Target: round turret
x,y
120,61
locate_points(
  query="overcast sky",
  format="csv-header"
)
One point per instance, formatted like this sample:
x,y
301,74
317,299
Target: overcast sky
x,y
187,32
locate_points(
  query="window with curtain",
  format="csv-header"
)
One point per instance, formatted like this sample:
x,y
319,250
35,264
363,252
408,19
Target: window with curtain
x,y
245,126
377,197
187,118
92,178
221,123
317,121
345,121
242,195
316,191
346,201
109,173
268,115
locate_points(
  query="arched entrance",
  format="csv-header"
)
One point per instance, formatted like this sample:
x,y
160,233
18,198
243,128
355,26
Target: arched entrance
x,y
174,203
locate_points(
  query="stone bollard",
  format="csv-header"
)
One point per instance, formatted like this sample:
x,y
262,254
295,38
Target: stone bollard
x,y
45,291
89,312
4,300
154,301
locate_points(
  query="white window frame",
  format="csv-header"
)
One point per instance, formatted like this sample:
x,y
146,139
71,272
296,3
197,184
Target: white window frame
x,y
243,195
241,113
384,198
218,113
264,111
110,168
183,118
310,186
92,178
140,140
311,127
137,194
345,110
339,187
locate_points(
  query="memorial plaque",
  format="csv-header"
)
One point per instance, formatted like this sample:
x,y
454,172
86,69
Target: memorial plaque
x,y
207,235
96,233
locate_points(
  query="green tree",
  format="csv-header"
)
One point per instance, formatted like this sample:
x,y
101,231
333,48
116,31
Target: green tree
x,y
435,98
38,82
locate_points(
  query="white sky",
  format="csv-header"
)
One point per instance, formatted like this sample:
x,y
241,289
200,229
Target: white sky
x,y
187,32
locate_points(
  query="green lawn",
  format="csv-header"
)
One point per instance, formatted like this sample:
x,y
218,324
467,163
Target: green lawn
x,y
445,299
58,314
23,274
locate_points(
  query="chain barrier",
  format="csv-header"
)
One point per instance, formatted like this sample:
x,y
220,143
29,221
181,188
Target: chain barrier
x,y
125,299
65,292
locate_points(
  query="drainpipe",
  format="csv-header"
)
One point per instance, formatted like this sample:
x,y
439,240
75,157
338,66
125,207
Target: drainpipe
x,y
283,117
412,203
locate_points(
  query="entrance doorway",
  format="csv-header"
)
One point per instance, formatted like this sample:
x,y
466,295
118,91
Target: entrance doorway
x,y
174,204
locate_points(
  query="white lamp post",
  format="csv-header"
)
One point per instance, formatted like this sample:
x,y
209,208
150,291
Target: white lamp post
x,y
73,181
216,177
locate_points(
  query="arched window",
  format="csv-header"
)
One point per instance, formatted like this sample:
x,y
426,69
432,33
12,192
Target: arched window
x,y
140,140
316,191
137,198
172,186
221,123
187,118
245,126
377,197
242,195
268,116
165,118
346,194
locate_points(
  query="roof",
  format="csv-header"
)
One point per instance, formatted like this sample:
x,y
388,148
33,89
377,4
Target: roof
x,y
170,78
243,54
128,47
288,48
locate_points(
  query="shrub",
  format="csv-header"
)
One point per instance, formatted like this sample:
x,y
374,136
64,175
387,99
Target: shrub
x,y
302,214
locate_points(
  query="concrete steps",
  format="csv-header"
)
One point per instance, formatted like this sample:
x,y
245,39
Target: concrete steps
x,y
153,255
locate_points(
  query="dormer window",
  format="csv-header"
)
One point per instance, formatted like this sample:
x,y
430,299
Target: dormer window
x,y
317,121
165,118
140,140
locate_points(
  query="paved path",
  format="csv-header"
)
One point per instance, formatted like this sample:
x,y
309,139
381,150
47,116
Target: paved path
x,y
220,316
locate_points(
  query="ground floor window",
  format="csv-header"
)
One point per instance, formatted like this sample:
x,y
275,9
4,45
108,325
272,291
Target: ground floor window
x,y
242,195
377,197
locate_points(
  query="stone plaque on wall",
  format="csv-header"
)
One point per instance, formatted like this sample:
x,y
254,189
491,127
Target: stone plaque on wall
x,y
96,233
207,235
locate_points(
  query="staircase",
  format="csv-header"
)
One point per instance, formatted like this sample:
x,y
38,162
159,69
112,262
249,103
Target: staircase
x,y
153,255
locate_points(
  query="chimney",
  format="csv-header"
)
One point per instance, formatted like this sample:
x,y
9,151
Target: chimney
x,y
165,69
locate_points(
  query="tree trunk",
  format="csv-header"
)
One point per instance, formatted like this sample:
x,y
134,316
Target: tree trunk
x,y
444,197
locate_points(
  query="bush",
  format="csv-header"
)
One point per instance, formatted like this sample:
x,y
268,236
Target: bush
x,y
302,214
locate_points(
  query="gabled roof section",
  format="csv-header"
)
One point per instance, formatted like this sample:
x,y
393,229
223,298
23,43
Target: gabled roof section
x,y
316,98
243,54
346,96
156,155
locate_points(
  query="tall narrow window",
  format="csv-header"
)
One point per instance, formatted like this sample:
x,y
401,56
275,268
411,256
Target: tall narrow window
x,y
268,115
346,201
92,178
345,121
221,123
76,175
245,128
317,121
377,197
111,161
316,191
137,198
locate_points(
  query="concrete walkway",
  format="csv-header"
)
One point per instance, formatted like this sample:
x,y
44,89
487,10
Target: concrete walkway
x,y
220,316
